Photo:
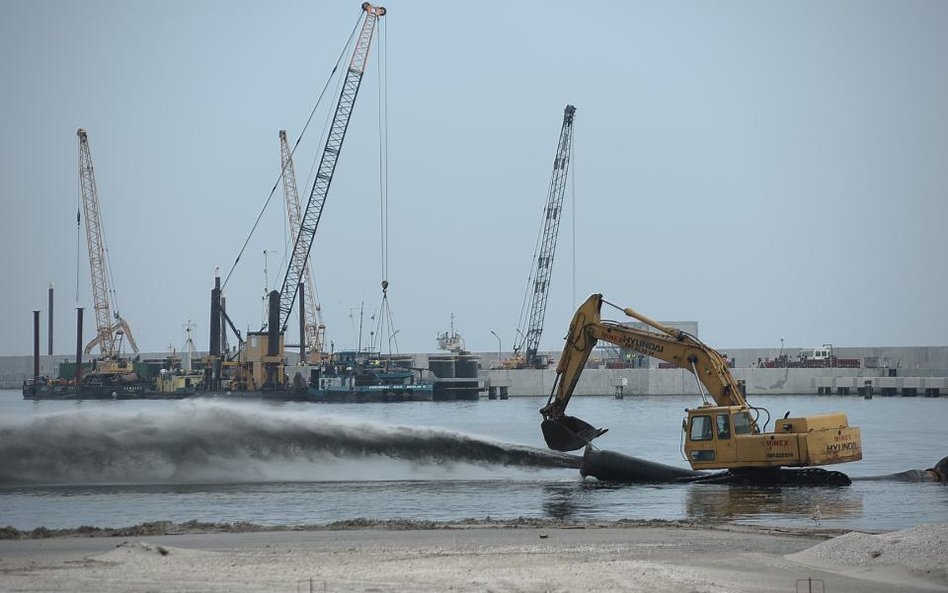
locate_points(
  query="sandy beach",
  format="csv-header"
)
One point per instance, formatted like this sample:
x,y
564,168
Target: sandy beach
x,y
478,556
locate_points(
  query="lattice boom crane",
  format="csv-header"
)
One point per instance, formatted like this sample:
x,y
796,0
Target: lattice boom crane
x,y
314,328
109,324
327,163
543,264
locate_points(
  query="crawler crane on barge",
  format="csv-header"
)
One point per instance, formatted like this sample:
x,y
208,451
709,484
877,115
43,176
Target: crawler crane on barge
x,y
723,435
261,364
108,332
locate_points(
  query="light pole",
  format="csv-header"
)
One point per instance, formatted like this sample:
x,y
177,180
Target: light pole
x,y
498,346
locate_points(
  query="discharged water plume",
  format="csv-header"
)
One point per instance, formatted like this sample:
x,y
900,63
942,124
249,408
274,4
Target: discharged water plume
x,y
199,442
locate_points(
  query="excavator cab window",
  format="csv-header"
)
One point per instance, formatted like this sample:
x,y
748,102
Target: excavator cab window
x,y
701,428
723,426
742,423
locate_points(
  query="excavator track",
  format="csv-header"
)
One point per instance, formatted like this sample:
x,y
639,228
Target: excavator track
x,y
808,476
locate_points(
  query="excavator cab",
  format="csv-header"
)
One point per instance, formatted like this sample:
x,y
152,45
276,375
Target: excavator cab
x,y
568,433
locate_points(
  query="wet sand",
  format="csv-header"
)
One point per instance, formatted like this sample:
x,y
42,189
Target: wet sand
x,y
523,556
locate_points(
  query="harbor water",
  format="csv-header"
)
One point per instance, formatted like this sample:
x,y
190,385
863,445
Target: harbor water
x,y
67,464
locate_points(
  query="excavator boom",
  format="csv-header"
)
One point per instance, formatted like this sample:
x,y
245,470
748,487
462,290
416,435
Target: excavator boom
x,y
671,345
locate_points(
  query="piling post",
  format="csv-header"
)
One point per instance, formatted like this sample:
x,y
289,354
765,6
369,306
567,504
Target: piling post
x,y
49,339
215,345
36,344
78,351
302,297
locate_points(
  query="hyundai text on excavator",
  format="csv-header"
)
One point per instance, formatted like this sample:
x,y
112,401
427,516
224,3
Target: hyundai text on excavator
x,y
723,435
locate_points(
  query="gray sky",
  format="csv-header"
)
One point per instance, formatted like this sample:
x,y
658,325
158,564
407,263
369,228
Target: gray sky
x,y
771,170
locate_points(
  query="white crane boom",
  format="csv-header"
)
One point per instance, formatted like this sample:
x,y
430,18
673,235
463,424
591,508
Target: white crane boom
x,y
110,326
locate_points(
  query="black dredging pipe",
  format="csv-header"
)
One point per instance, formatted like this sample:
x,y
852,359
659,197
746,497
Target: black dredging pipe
x,y
938,473
36,344
609,466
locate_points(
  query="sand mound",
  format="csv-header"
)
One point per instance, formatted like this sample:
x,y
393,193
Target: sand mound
x,y
136,551
921,550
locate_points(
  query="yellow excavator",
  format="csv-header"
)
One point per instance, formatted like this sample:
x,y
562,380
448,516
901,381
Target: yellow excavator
x,y
724,433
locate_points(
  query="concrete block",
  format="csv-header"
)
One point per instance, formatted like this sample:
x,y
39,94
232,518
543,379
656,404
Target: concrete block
x,y
888,383
913,383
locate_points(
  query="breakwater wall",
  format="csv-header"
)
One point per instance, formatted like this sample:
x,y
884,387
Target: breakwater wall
x,y
910,370
759,381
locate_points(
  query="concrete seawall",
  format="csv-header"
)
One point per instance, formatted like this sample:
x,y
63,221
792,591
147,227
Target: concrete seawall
x,y
682,382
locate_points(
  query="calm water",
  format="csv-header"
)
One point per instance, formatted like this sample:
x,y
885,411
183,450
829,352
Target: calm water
x,y
113,464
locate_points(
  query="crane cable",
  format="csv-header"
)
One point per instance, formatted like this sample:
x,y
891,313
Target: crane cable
x,y
317,158
295,145
385,324
572,199
382,49
524,320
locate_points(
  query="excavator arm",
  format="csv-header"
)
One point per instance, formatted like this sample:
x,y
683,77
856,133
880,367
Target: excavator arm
x,y
566,433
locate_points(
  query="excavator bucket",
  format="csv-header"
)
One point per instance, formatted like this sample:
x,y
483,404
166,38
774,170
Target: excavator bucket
x,y
568,433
